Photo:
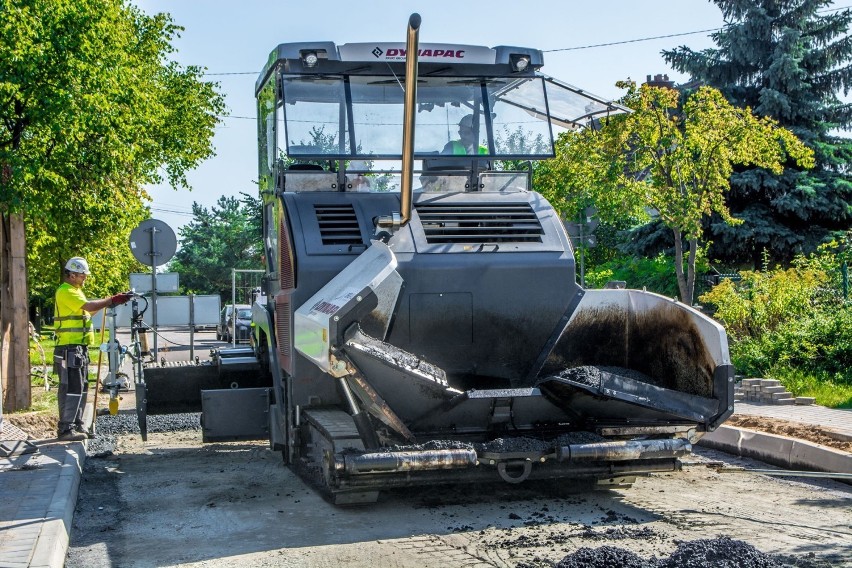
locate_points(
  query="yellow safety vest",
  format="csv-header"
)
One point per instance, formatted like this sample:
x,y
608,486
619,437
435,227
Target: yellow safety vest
x,y
460,150
73,324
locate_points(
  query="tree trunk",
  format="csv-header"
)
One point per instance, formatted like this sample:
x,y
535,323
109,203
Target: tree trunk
x,y
14,314
688,299
678,262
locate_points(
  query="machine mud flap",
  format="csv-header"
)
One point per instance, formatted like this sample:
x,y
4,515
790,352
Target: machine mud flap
x,y
593,392
234,414
177,387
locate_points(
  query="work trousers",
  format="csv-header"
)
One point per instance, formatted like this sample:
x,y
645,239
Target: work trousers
x,y
71,363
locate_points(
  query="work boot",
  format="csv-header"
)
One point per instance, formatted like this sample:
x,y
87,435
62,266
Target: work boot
x,y
80,429
71,436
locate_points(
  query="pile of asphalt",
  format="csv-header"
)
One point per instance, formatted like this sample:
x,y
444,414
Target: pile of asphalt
x,y
721,552
592,375
109,427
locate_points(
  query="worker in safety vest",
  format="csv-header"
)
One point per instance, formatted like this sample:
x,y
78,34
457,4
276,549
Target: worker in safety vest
x,y
74,333
466,143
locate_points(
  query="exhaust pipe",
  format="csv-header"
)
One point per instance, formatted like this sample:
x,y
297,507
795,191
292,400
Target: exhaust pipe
x,y
409,108
624,451
411,46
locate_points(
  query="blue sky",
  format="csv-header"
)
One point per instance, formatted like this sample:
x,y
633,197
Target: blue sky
x,y
236,37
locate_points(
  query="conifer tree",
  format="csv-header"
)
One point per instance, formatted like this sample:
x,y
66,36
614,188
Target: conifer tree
x,y
788,60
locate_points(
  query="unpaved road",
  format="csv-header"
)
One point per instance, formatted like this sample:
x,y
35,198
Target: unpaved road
x,y
172,501
175,502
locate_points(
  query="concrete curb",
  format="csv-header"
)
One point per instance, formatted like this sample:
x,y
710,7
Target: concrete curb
x,y
52,542
781,451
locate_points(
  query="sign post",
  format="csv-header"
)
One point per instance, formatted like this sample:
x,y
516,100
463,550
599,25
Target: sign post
x,y
583,237
153,243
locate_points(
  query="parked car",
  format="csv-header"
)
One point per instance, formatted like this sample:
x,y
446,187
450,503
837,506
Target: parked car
x,y
227,331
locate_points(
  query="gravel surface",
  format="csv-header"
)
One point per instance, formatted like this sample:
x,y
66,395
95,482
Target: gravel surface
x,y
109,427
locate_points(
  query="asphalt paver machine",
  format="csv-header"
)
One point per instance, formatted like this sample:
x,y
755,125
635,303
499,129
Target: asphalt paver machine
x,y
421,319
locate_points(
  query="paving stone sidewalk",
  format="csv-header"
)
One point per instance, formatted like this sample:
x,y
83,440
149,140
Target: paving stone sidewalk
x,y
38,492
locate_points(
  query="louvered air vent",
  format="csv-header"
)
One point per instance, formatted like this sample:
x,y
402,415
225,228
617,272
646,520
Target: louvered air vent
x,y
480,223
338,224
285,268
282,324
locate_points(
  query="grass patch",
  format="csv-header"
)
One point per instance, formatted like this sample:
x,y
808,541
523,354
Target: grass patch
x,y
44,401
825,391
47,343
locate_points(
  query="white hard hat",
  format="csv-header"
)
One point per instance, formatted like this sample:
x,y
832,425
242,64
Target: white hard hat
x,y
466,121
77,264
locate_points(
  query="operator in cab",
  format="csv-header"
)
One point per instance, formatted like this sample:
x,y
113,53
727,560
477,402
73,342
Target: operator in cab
x,y
74,333
466,144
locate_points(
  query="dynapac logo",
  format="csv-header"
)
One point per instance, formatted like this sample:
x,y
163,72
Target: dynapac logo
x,y
398,53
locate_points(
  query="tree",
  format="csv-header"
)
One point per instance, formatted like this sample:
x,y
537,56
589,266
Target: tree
x,y
227,236
787,61
90,110
677,160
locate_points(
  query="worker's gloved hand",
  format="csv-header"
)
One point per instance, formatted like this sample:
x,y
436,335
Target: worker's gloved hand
x,y
120,299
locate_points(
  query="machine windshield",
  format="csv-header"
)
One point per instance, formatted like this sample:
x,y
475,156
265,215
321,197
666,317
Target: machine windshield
x,y
361,116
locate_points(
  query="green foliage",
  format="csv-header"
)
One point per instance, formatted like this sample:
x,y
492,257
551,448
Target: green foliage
x,y
653,274
90,110
226,236
792,325
671,156
786,60
765,301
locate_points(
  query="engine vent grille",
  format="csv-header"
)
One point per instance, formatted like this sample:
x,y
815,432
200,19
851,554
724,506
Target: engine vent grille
x,y
286,269
480,223
338,224
282,325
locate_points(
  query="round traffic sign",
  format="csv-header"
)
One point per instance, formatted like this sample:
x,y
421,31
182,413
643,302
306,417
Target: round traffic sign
x,y
153,242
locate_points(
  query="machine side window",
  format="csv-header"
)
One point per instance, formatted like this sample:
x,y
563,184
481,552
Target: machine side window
x,y
517,111
315,116
266,129
270,237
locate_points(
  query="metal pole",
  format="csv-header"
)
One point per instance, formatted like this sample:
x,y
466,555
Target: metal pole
x,y
192,327
154,253
582,246
233,307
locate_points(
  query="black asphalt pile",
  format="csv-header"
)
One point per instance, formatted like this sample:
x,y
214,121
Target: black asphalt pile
x,y
109,427
721,552
579,438
586,375
618,533
604,557
592,375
